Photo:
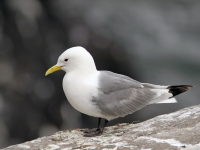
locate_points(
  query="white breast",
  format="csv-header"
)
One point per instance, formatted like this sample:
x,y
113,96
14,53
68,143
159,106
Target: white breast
x,y
79,92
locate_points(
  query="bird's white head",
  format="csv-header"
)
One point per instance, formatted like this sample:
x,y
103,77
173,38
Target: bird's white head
x,y
74,59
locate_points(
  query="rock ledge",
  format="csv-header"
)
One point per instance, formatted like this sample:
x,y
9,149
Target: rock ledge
x,y
178,130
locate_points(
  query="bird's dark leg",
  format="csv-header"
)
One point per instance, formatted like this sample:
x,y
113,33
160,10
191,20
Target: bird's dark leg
x,y
105,123
94,130
99,124
97,132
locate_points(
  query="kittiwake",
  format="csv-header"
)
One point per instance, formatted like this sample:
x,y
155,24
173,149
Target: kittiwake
x,y
104,94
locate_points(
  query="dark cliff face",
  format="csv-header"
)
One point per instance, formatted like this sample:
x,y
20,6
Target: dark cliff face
x,y
155,42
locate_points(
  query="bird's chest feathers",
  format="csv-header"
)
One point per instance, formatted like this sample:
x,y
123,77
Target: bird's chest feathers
x,y
79,91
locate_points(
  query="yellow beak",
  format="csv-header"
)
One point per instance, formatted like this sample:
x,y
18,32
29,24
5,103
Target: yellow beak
x,y
52,69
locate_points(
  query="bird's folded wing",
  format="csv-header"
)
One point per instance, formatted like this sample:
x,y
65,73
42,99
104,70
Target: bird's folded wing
x,y
120,95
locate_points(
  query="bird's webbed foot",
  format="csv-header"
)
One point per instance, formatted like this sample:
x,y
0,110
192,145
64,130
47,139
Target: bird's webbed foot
x,y
90,130
96,132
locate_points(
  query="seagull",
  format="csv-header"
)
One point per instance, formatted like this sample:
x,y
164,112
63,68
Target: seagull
x,y
104,94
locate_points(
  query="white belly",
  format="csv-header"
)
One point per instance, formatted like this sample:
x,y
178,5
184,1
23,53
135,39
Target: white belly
x,y
80,92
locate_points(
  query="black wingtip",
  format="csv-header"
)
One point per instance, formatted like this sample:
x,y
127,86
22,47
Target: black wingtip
x,y
178,89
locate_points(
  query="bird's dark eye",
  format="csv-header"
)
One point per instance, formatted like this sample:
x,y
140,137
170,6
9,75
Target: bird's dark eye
x,y
66,59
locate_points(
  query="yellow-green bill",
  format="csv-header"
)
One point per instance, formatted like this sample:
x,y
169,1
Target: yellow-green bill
x,y
52,69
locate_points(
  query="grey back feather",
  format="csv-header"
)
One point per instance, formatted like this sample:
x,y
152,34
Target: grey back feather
x,y
120,95
110,82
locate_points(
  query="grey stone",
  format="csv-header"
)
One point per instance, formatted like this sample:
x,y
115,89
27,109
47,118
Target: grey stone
x,y
174,131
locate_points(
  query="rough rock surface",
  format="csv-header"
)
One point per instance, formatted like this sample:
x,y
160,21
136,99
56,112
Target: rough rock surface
x,y
178,130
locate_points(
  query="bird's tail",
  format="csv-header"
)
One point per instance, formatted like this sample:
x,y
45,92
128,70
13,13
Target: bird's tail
x,y
166,94
178,89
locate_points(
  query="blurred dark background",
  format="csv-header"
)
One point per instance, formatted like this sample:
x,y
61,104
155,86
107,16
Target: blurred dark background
x,y
151,41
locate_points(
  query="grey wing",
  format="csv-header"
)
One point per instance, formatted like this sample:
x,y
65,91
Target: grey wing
x,y
111,82
121,95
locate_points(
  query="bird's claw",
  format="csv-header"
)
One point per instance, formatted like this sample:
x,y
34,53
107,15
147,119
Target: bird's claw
x,y
98,132
91,130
